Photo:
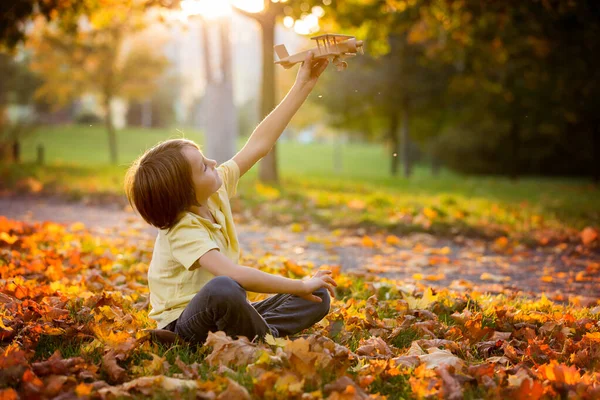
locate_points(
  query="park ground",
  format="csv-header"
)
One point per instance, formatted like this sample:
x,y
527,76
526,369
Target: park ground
x,y
456,287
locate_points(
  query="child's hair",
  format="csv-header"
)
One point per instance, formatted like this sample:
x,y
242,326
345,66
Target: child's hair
x,y
159,184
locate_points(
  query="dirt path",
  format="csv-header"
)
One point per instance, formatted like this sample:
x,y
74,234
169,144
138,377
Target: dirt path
x,y
562,273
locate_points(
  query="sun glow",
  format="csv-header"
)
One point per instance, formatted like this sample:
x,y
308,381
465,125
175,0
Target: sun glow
x,y
213,9
206,8
252,6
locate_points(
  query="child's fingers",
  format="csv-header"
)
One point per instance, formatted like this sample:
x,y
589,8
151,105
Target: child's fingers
x,y
312,297
307,59
328,279
322,65
331,290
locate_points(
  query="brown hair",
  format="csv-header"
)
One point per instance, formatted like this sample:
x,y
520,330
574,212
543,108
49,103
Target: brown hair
x,y
159,184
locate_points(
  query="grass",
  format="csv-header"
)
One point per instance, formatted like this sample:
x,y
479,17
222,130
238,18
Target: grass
x,y
361,193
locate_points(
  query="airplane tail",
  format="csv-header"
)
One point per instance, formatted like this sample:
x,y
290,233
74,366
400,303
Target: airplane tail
x,y
281,51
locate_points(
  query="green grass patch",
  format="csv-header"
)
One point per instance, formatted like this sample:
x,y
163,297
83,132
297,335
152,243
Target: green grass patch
x,y
360,193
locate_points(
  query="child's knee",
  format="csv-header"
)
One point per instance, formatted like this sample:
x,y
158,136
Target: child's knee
x,y
324,305
223,288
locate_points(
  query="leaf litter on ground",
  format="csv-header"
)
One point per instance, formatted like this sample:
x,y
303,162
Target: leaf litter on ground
x,y
73,310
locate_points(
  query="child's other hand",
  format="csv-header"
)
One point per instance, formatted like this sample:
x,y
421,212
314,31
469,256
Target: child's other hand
x,y
311,69
322,279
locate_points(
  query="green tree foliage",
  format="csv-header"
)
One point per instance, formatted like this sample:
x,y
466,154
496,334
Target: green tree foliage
x,y
508,87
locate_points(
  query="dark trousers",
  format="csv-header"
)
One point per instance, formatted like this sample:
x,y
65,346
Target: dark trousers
x,y
221,305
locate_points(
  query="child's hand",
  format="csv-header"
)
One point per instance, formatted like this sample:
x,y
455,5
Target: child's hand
x,y
319,280
309,72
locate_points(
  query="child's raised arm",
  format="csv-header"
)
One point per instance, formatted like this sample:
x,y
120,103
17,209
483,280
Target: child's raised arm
x,y
268,131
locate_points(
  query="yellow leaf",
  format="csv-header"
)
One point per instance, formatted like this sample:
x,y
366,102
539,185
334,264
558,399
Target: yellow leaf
x,y
8,238
267,192
297,228
417,277
77,227
2,326
593,336
263,359
422,303
430,213
273,341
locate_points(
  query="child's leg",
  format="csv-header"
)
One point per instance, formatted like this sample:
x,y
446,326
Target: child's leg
x,y
288,314
220,305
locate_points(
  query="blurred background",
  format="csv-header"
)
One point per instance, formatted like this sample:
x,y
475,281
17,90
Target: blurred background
x,y
459,108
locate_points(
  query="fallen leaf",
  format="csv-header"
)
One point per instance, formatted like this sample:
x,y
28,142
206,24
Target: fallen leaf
x,y
110,366
588,235
437,357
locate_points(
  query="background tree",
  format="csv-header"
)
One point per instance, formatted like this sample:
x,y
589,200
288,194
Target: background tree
x,y
267,20
17,87
96,60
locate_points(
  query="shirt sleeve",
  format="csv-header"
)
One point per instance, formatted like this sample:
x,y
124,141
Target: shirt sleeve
x,y
230,173
189,241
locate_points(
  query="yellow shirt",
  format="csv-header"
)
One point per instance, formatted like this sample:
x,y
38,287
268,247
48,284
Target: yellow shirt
x,y
172,283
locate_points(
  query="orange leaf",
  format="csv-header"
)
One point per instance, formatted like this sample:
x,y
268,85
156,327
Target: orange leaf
x,y
367,241
357,204
83,389
392,239
529,390
588,235
8,394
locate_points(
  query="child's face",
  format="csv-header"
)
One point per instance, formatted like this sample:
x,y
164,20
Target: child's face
x,y
206,179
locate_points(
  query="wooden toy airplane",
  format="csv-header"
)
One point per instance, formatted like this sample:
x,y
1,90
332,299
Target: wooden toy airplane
x,y
334,47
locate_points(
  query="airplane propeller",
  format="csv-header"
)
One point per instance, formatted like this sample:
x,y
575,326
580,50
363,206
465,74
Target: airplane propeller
x,y
359,47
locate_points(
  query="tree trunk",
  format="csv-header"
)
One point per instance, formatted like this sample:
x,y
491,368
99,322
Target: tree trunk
x,y
146,106
16,151
206,46
405,140
268,165
110,129
395,139
596,152
219,108
515,144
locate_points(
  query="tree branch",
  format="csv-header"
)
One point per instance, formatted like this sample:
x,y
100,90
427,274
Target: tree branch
x,y
256,16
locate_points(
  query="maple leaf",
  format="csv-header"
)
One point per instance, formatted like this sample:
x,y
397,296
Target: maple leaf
x,y
148,385
234,391
227,351
451,388
438,357
423,302
374,346
110,366
345,388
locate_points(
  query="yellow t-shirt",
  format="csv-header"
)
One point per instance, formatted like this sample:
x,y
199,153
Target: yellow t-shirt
x,y
172,283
